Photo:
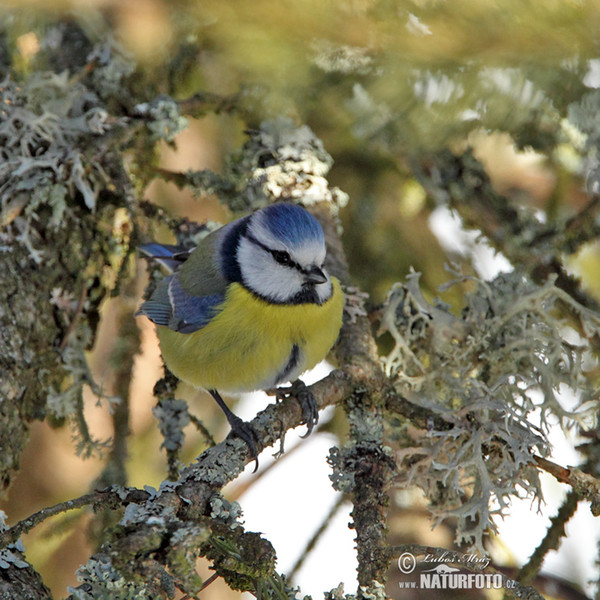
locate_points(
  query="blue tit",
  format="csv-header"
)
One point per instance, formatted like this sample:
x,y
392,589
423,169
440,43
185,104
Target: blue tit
x,y
249,308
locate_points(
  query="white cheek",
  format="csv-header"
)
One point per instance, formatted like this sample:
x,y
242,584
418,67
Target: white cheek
x,y
264,276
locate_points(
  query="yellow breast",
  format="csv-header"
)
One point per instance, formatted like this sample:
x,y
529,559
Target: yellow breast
x,y
251,344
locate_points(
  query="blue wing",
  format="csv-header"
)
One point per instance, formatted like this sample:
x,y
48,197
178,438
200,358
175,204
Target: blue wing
x,y
167,255
191,313
172,306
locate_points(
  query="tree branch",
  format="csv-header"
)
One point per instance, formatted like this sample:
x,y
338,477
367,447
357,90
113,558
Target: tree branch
x,y
585,486
110,497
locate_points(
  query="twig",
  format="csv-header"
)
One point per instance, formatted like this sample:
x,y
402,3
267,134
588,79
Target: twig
x,y
201,428
202,103
210,580
419,416
122,360
364,459
110,497
199,479
585,486
181,180
551,541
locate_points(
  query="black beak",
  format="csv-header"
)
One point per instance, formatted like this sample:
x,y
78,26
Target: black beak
x,y
315,275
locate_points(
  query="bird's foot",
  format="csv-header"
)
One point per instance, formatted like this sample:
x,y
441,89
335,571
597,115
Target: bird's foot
x,y
246,433
240,428
307,401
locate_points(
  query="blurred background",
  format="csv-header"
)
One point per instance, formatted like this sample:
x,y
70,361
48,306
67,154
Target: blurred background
x,y
384,84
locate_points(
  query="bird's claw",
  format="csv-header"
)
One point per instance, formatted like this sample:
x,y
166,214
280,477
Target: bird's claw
x,y
246,433
307,401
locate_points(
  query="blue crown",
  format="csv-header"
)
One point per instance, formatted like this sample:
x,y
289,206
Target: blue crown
x,y
292,223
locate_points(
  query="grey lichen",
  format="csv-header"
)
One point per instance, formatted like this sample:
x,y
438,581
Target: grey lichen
x,y
163,118
112,65
227,512
172,416
219,464
244,559
283,161
48,125
147,527
153,513
375,591
337,593
66,202
56,158
101,581
11,555
184,549
342,478
488,372
66,403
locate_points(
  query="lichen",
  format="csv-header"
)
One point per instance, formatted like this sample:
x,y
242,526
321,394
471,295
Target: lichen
x,y
354,303
244,559
66,403
342,473
227,512
49,133
283,161
10,556
184,549
374,591
172,416
164,120
488,372
101,581
112,65
337,593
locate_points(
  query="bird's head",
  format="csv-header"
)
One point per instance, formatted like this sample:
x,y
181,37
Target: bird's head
x,y
281,254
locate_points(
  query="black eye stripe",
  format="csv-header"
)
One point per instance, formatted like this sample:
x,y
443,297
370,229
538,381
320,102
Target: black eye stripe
x,y
280,256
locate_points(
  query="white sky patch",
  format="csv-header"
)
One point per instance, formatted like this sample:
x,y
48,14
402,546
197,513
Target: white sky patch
x,y
448,229
416,26
289,503
469,114
592,77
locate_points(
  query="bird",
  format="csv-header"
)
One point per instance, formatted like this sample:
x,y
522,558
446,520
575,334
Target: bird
x,y
249,308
